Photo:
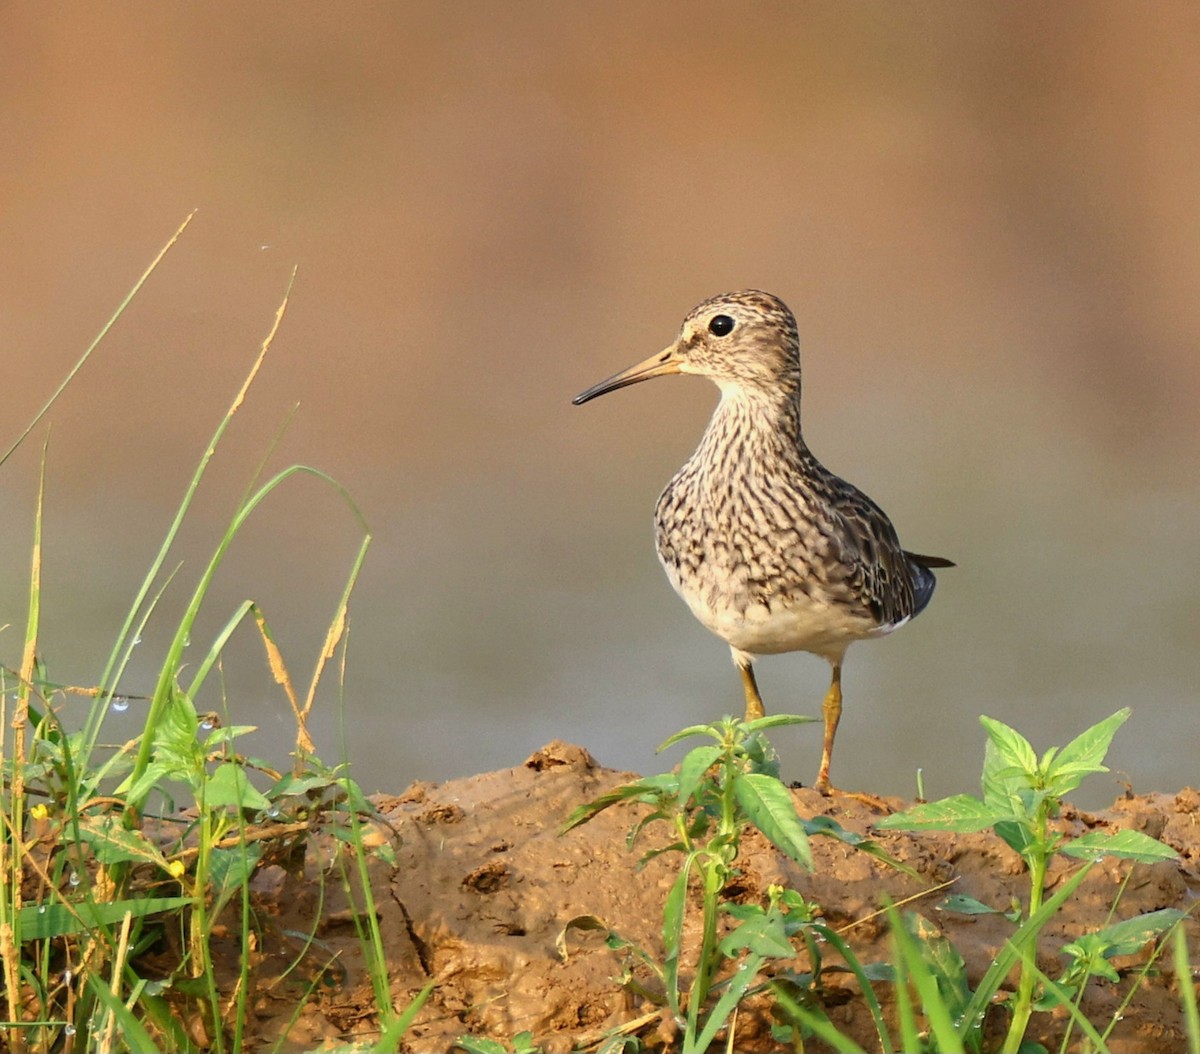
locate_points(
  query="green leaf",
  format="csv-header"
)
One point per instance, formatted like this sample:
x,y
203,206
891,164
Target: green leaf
x,y
112,842
776,721
828,826
939,1012
1012,748
763,935
672,931
964,905
695,764
944,961
1089,748
480,1045
742,978
1017,835
961,813
390,1037
229,787
769,806
1131,935
129,1027
1128,845
692,730
651,790
230,869
225,735
39,921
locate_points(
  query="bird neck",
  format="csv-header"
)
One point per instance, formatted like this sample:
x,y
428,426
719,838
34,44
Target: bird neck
x,y
757,426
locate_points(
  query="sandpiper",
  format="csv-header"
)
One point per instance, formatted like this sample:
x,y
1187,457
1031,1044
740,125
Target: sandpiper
x,y
771,551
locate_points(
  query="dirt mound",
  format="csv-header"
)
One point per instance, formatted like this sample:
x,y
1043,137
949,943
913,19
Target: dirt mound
x,y
484,886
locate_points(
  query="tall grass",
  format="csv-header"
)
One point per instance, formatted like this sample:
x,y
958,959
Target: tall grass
x,y
90,879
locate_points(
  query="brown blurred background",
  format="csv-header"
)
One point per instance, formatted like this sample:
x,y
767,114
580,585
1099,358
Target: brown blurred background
x,y
985,216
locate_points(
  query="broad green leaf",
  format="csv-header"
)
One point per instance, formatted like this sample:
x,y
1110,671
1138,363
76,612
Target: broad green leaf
x,y
39,921
1012,747
961,813
230,787
763,936
769,806
156,772
1128,845
650,790
1065,778
1015,834
695,764
1090,747
225,735
961,904
230,869
113,842
1129,936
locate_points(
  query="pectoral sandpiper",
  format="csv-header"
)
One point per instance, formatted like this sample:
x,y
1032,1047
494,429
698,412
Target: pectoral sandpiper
x,y
771,550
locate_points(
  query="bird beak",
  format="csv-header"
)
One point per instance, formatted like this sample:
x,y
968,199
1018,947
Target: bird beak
x,y
666,361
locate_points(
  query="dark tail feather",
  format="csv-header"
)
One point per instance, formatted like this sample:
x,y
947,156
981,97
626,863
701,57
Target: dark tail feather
x,y
929,561
923,577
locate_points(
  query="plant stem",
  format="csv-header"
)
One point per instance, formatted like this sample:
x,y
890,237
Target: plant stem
x,y
1038,856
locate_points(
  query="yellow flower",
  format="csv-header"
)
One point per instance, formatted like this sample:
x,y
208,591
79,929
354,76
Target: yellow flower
x,y
176,869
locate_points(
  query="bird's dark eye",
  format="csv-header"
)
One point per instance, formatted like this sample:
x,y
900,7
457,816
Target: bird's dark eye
x,y
720,326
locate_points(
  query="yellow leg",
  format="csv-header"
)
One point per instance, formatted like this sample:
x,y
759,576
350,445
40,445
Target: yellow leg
x,y
831,710
754,703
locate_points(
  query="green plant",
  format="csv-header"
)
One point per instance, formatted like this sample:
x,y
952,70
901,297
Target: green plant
x,y
522,1043
718,790
109,851
1021,794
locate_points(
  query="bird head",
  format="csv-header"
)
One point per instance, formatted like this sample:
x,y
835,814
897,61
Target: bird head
x,y
742,342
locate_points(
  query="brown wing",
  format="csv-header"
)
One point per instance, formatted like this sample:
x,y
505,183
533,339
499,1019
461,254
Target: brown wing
x,y
892,583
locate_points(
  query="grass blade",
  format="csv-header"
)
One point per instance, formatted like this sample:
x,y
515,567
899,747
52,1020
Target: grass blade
x,y
99,337
1187,989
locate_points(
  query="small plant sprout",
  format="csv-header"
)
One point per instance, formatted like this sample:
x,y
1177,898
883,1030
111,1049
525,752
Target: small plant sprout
x,y
1021,794
718,790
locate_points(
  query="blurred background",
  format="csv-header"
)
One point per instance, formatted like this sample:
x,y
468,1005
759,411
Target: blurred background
x,y
985,216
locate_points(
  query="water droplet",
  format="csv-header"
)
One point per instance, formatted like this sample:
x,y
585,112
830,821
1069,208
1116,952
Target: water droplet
x,y
206,725
74,878
119,704
41,909
274,812
68,1030
187,640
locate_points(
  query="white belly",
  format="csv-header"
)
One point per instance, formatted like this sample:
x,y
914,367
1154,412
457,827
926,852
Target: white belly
x,y
770,625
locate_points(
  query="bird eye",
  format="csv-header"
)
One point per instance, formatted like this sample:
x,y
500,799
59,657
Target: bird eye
x,y
720,325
